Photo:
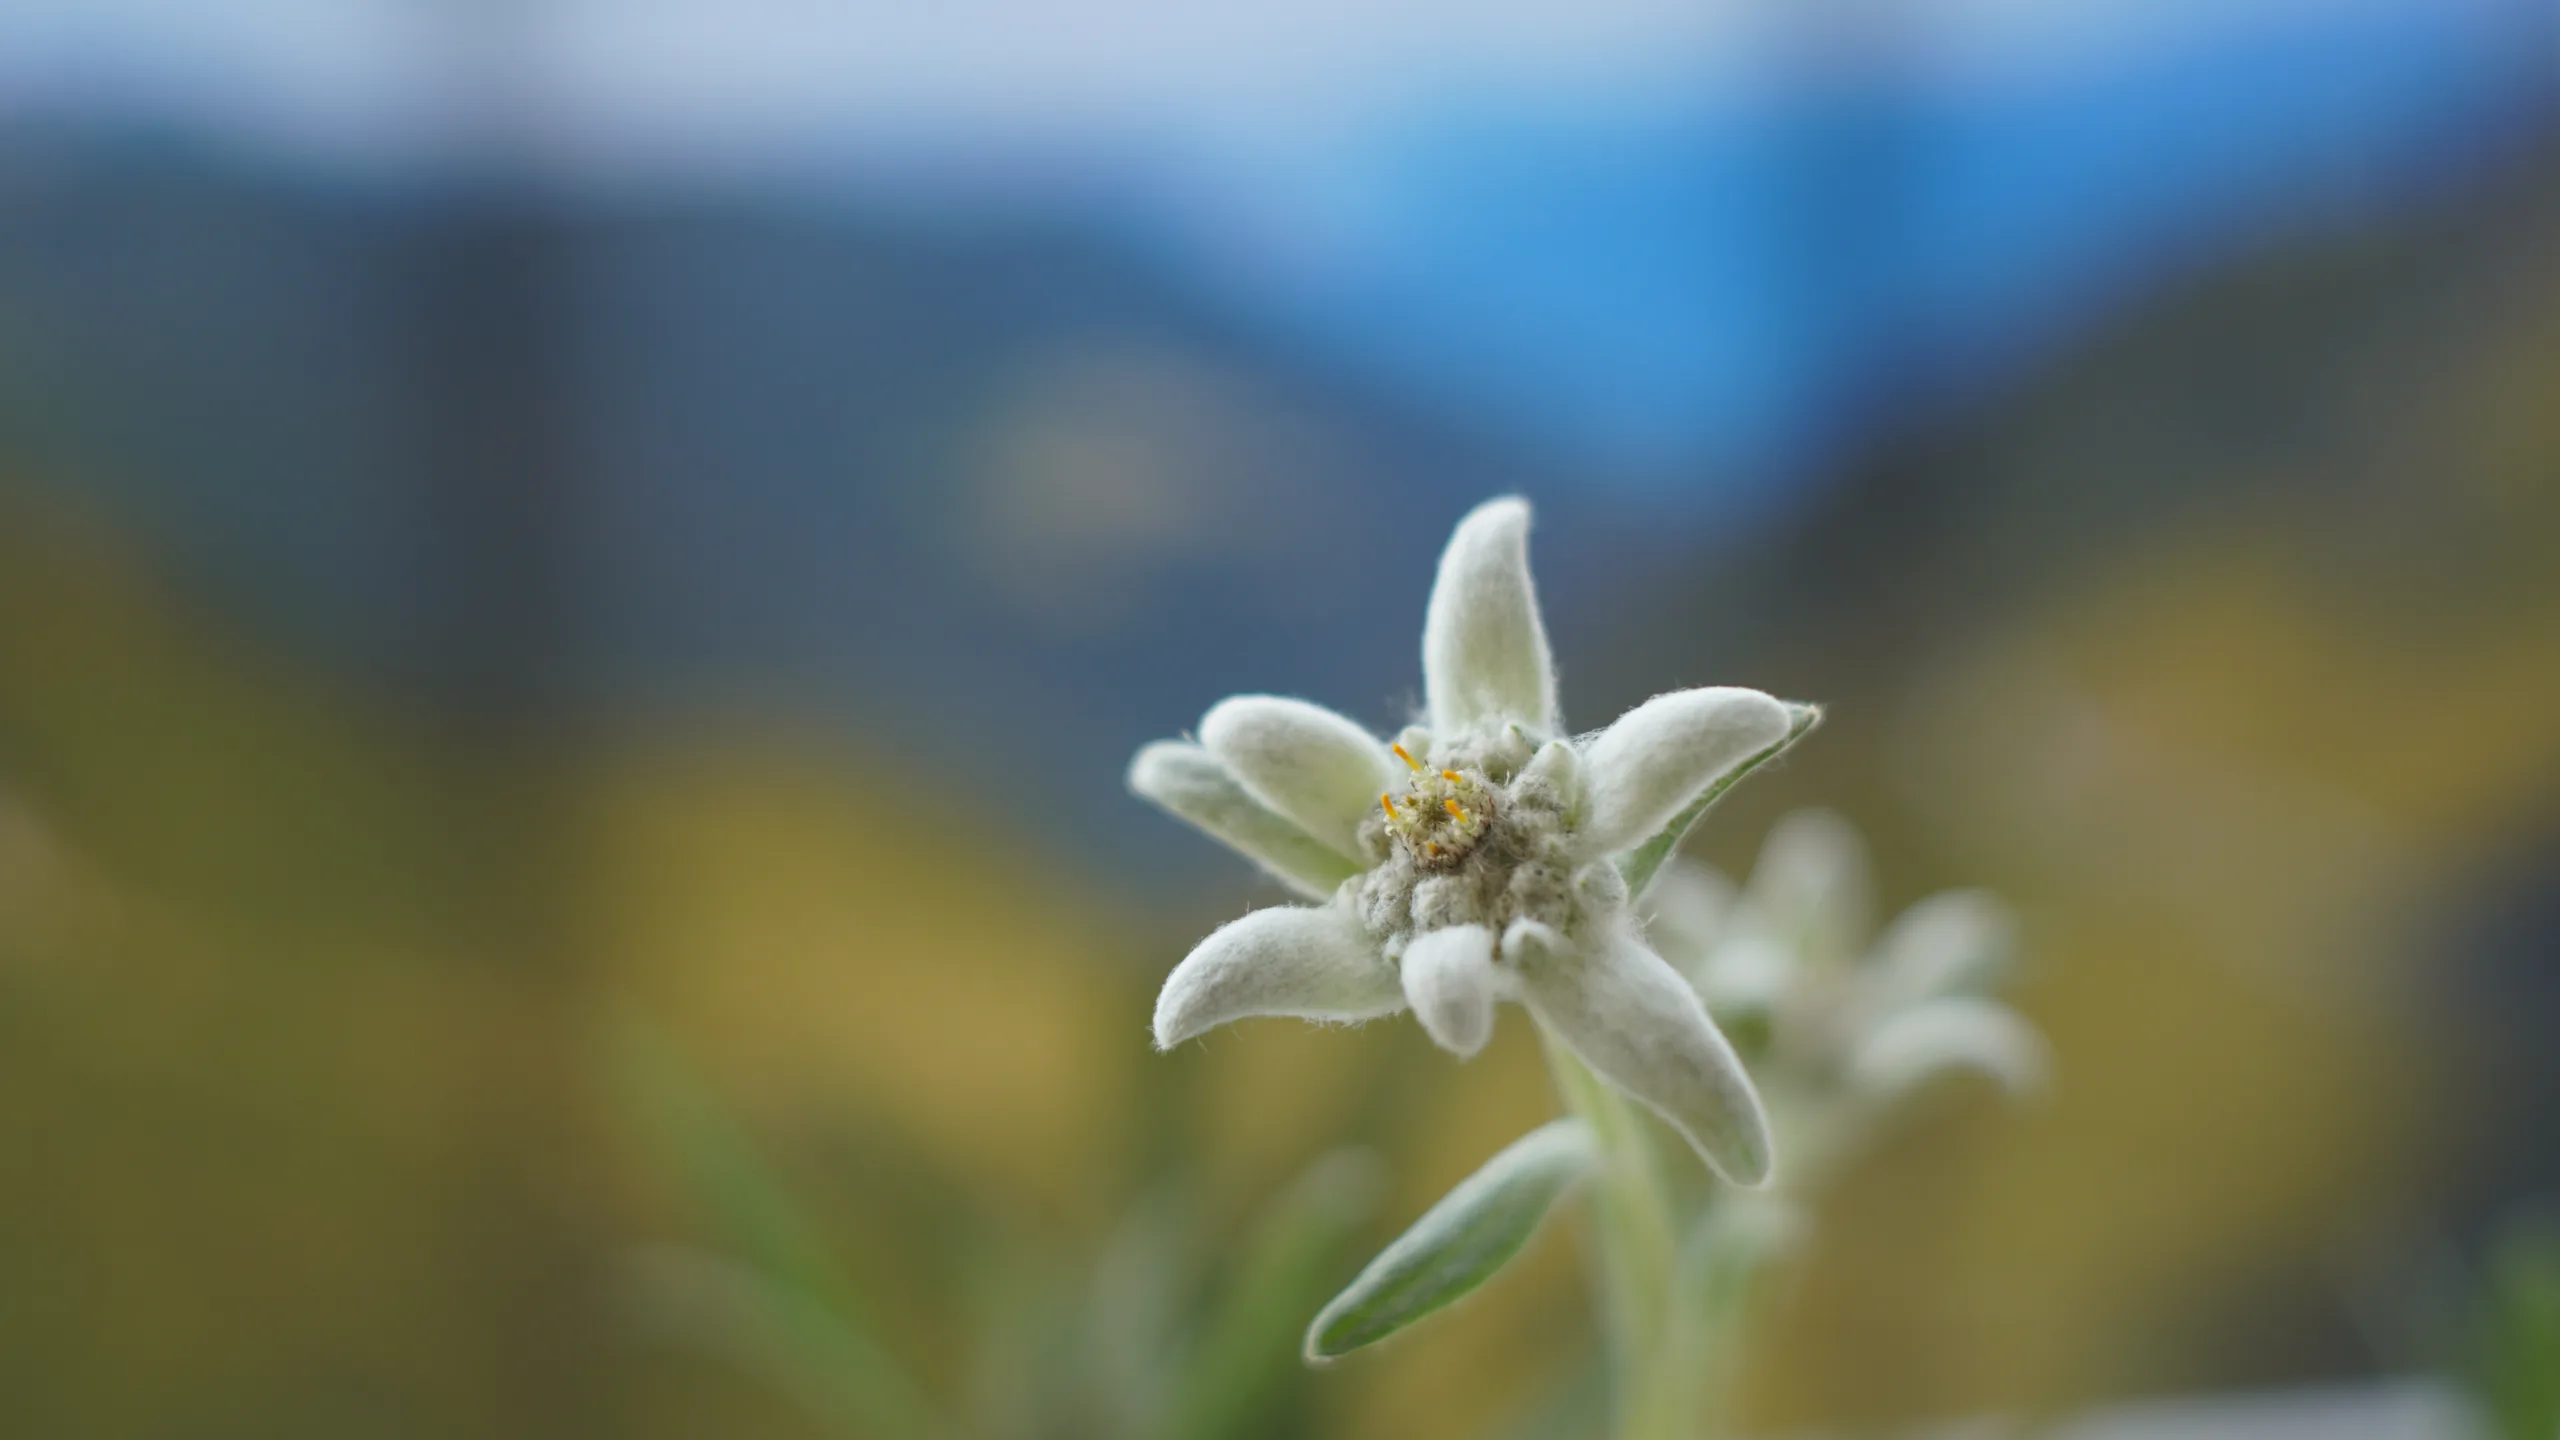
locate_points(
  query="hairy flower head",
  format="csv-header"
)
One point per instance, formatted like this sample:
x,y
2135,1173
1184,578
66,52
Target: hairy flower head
x,y
1844,1023
1481,855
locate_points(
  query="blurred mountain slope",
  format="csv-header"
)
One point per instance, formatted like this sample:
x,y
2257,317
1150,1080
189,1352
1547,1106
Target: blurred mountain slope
x,y
298,993
1033,479
1005,498
264,1098
300,996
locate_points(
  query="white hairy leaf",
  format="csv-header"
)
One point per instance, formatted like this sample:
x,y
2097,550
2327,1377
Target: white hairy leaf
x,y
1484,649
1459,1243
1312,962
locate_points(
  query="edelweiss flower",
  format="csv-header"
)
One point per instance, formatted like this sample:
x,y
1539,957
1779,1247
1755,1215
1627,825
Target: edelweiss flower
x,y
1484,856
1843,1024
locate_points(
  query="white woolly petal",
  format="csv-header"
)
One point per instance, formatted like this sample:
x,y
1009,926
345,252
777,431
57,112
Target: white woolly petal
x,y
1601,889
1313,963
1687,911
1663,754
1556,773
1302,760
1416,741
1484,649
1189,781
1746,975
1942,1037
1954,941
1810,886
1529,942
1640,1027
1450,981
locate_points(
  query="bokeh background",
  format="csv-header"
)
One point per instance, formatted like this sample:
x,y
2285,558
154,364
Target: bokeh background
x,y
576,581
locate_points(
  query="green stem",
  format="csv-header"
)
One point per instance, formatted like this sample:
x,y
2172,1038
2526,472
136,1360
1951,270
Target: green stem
x,y
1639,1260
1709,1300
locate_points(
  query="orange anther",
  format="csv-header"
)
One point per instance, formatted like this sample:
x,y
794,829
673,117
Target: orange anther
x,y
1391,808
1454,810
1451,776
1410,763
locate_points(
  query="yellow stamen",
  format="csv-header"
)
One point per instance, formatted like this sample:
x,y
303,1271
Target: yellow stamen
x,y
1410,763
1452,777
1454,810
1391,808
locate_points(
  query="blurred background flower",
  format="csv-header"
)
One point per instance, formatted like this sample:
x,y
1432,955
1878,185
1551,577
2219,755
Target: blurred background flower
x,y
519,512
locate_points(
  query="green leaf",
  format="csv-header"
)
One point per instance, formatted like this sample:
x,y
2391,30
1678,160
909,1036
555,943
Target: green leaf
x,y
1727,1250
787,1307
2516,1364
1232,1379
1640,863
784,1336
1459,1243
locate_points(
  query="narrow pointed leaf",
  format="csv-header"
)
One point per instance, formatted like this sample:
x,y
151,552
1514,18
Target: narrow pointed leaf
x,y
1240,1365
1640,864
1657,758
1810,887
1190,782
1459,1243
1313,962
1484,648
1951,943
1305,762
776,1296
1636,1023
1944,1037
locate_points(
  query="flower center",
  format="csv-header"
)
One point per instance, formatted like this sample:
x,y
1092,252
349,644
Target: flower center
x,y
1442,816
